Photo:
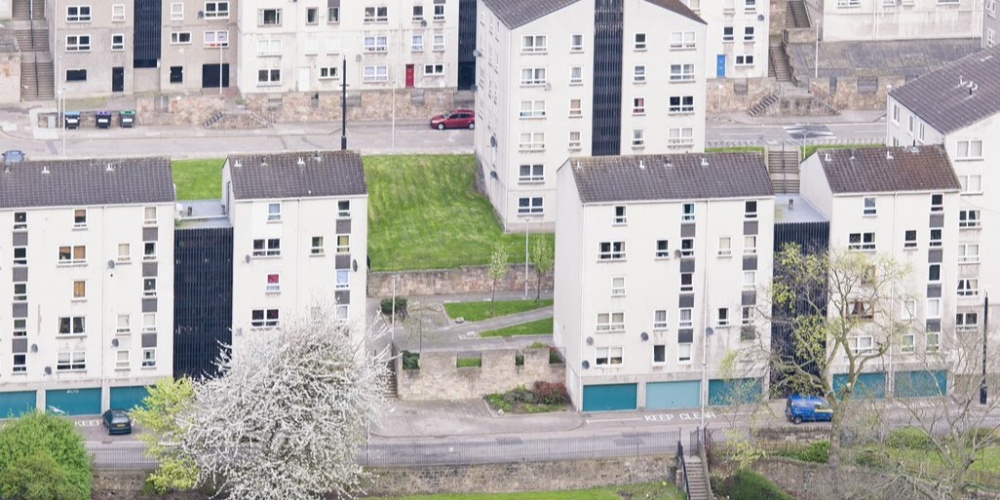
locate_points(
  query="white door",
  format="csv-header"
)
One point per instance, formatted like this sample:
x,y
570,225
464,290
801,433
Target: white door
x,y
303,79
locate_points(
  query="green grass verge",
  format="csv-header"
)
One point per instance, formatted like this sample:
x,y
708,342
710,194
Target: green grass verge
x,y
737,149
645,491
469,362
540,327
807,151
987,460
478,311
424,213
198,179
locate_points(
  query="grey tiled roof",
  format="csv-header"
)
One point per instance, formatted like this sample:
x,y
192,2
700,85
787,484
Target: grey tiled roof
x,y
678,7
80,183
942,98
922,168
670,177
297,175
517,13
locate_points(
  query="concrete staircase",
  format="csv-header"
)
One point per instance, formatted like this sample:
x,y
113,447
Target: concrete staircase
x,y
778,67
32,35
33,39
697,482
391,388
796,15
21,10
236,120
783,167
761,107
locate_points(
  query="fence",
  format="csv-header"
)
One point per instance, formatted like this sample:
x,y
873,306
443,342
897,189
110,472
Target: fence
x,y
793,143
682,466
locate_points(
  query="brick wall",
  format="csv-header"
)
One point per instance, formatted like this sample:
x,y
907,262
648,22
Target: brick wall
x,y
471,279
440,378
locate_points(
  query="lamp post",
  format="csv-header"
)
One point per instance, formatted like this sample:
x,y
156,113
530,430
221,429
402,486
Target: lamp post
x,y
527,219
986,324
343,106
816,74
221,45
394,114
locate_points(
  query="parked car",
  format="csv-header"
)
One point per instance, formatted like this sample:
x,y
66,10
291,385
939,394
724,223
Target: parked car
x,y
800,409
13,156
117,422
459,118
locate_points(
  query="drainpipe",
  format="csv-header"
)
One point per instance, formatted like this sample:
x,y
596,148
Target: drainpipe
x,y
705,319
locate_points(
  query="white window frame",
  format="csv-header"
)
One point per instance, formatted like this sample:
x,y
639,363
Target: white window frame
x,y
533,108
530,205
534,44
639,73
969,150
968,287
576,75
73,330
617,286
576,42
71,361
266,247
968,253
376,43
436,69
214,39
610,355
682,40
118,13
639,42
262,21
533,76
688,212
638,106
684,352
861,344
180,38
638,138
971,184
177,11
966,322
375,74
78,43
531,173
722,317
532,141
149,357
870,209
216,13
743,60
329,73
612,322
725,246
272,286
416,43
611,251
123,326
680,137
685,317
265,321
865,242
662,249
969,219
343,279
122,361
661,320
83,14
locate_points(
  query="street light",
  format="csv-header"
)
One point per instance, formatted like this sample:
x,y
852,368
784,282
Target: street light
x,y
527,219
393,114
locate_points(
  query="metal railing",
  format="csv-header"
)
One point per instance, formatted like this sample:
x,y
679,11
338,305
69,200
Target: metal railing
x,y
682,467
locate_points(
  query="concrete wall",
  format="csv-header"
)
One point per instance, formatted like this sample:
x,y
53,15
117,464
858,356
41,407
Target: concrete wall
x,y
10,77
439,378
777,11
845,94
471,279
806,481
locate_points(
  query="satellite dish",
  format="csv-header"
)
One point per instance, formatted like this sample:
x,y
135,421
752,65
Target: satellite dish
x,y
111,264
590,340
585,364
34,347
354,265
709,331
114,343
493,141
48,370
644,336
246,258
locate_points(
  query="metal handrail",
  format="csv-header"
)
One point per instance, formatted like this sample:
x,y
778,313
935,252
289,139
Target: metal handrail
x,y
683,468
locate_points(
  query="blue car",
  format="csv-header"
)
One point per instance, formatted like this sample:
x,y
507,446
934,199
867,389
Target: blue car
x,y
800,409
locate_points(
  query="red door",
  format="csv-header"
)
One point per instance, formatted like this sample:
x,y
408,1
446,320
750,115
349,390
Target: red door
x,y
409,76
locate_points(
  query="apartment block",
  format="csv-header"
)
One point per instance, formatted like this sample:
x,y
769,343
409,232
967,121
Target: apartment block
x,y
878,20
94,45
990,24
566,78
903,202
89,275
659,263
198,47
736,37
301,46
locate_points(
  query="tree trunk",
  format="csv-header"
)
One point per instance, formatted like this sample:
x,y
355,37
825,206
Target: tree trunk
x,y
834,459
538,281
958,484
493,299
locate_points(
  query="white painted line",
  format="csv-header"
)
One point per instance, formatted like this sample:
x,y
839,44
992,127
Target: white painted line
x,y
612,420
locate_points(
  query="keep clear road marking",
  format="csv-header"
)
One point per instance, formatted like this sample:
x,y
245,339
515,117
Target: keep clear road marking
x,y
659,417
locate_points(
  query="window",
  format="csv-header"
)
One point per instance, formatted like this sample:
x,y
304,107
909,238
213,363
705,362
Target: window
x,y
906,342
117,42
71,361
20,328
725,246
576,43
722,317
79,289
968,253
968,287
687,282
684,352
72,325
727,34
933,308
848,3
750,210
20,221
273,283
869,207
619,217
608,356
529,205
264,318
910,239
149,357
861,241
267,248
20,256
574,141
638,138
433,69
618,286
213,39
862,310
534,43
532,109
20,363
79,218
576,75
895,113
268,77
639,106
149,250
921,134
660,321
681,104
935,238
969,150
417,43
343,279
861,344
933,342
268,17
344,209
376,14
532,141
340,312
687,212
659,353
685,318
177,11
274,212
640,41
180,37
121,359
312,15
439,10
749,279
611,250
148,322
682,40
76,75
680,136
78,14
611,322
747,329
971,183
934,273
748,34
418,12
687,247
149,216
124,324
438,43
909,310
750,6
343,244
220,10
968,218
330,72
531,173
744,60
937,202
639,74
73,254
374,74
149,287
662,249
909,125
333,15
20,292
967,322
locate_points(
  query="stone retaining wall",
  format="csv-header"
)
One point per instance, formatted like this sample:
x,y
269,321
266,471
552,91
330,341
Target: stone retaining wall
x,y
469,279
440,378
729,95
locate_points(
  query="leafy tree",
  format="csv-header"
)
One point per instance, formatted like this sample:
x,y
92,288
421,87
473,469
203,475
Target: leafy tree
x,y
287,418
50,444
541,257
162,428
498,269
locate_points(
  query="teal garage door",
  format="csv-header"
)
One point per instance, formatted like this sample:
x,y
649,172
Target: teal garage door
x,y
734,392
13,404
673,395
920,384
73,402
126,398
609,397
870,385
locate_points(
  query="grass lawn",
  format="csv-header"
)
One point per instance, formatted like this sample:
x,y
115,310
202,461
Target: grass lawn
x,y
988,459
540,327
198,179
469,362
650,491
478,311
423,213
807,151
737,149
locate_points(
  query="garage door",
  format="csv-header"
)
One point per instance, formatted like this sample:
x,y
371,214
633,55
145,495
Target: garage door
x,y
73,402
126,398
609,397
673,395
734,392
13,404
870,385
920,384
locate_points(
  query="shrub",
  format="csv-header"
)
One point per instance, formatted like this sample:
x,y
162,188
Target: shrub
x,y
411,360
554,357
818,452
469,362
872,457
519,359
551,393
748,485
909,438
386,306
537,345
35,477
23,440
979,436
497,400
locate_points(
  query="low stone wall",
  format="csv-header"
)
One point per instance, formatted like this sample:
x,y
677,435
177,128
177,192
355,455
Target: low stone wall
x,y
807,481
728,95
524,476
440,378
469,279
844,92
118,483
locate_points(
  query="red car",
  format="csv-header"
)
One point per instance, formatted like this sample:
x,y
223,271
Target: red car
x,y
459,118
